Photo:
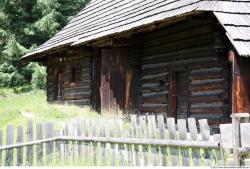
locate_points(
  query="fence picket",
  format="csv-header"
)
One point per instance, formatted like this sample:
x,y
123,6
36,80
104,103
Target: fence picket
x,y
9,141
145,149
19,150
79,134
174,152
153,135
161,127
29,149
196,155
73,132
128,134
59,147
121,147
112,145
95,130
39,147
86,144
182,128
103,146
1,143
136,154
66,147
49,131
205,134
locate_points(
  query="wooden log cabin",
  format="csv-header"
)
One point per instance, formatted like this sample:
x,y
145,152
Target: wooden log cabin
x,y
184,58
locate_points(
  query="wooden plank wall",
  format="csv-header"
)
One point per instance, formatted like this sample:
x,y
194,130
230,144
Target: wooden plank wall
x,y
195,47
78,92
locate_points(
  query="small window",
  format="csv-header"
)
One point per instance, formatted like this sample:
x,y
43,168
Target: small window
x,y
73,75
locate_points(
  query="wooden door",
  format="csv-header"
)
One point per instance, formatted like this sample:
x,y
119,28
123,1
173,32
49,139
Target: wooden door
x,y
113,81
178,95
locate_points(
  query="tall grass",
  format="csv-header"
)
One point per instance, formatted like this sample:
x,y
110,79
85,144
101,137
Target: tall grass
x,y
12,105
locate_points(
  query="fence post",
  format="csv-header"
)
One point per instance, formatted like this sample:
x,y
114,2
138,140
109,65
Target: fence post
x,y
49,131
39,147
236,117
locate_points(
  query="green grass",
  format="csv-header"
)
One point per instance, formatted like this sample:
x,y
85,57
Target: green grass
x,y
11,106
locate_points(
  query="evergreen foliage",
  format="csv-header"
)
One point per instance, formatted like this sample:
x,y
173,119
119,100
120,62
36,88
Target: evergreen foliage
x,y
24,25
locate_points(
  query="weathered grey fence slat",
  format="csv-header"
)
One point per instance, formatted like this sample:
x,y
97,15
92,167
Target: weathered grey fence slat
x,y
95,130
79,134
161,127
9,153
49,131
86,145
66,143
121,147
103,145
153,135
182,128
19,140
136,153
112,145
145,149
1,143
29,149
196,155
39,147
73,132
174,153
128,134
205,134
59,146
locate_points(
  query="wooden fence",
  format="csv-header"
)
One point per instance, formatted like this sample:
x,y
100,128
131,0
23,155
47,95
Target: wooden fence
x,y
141,141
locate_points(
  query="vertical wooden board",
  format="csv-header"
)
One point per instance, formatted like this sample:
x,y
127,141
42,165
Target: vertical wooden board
x,y
73,133
121,147
128,134
66,147
162,132
174,152
86,144
1,143
59,145
193,131
205,134
182,129
103,145
39,147
95,144
19,150
153,135
29,149
9,140
79,134
219,153
145,149
245,134
136,154
112,145
49,131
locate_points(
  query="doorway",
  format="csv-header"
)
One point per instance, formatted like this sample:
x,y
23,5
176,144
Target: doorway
x,y
178,95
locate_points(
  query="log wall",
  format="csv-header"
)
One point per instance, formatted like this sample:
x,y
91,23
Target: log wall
x,y
194,49
78,91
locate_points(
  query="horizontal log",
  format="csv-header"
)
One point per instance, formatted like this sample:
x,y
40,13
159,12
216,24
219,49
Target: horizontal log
x,y
156,76
154,94
156,100
207,99
84,102
217,117
219,92
209,108
209,85
74,96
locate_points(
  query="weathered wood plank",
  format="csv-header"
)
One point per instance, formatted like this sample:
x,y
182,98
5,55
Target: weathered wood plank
x,y
182,129
121,147
29,149
19,140
196,155
162,131
39,147
49,133
174,153
153,135
103,145
205,134
112,145
95,130
9,140
145,149
136,158
59,146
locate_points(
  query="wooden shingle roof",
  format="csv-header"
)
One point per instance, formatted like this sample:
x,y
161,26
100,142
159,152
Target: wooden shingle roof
x,y
101,18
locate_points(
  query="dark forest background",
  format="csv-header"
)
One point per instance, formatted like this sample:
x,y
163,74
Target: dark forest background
x,y
24,25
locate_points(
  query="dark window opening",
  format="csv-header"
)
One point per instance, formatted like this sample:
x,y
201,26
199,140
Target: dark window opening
x,y
73,75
